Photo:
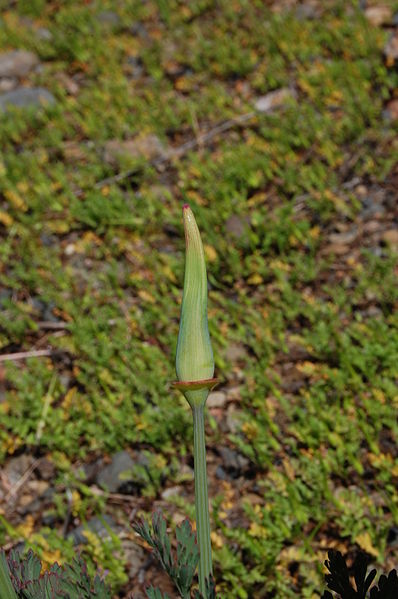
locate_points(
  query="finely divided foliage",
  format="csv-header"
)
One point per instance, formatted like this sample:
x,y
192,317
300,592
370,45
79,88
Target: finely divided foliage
x,y
70,581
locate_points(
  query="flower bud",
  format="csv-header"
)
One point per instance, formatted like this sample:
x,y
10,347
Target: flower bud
x,y
194,360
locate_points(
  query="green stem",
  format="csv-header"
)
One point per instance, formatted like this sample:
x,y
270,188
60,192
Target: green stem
x,y
201,497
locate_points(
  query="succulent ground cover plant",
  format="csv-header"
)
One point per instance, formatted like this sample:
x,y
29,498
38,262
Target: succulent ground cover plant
x,y
21,577
296,205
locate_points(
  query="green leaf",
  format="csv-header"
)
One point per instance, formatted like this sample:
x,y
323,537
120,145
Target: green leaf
x,y
6,588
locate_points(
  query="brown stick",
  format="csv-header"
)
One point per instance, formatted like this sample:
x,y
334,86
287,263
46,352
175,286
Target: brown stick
x,y
178,152
23,355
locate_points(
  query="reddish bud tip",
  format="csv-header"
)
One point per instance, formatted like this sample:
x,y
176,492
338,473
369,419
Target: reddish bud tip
x,y
185,206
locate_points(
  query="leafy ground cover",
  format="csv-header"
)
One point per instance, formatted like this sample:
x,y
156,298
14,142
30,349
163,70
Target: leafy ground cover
x,y
149,105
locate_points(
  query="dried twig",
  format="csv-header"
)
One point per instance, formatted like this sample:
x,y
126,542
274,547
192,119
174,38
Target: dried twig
x,y
23,355
15,488
179,152
52,326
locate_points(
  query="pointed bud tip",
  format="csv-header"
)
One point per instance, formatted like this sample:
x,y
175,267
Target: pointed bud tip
x,y
185,207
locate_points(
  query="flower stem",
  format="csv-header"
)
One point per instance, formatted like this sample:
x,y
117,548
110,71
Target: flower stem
x,y
201,497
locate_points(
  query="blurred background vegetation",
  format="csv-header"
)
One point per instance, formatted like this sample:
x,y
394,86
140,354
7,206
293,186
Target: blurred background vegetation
x,y
277,122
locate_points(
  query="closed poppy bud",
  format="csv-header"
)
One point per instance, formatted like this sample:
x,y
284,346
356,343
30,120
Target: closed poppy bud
x,y
194,360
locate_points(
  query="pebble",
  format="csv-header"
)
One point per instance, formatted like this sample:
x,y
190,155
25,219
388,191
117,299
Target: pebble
x,y
109,17
217,399
336,249
135,557
232,422
391,48
235,352
148,146
390,237
24,97
46,469
391,110
17,63
110,476
237,227
346,237
99,526
171,492
275,99
378,15
16,467
7,84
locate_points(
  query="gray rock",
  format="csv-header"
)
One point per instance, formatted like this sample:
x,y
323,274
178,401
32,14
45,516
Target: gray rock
x,y
221,474
111,477
24,97
109,17
99,526
391,47
44,34
233,462
235,352
232,422
378,15
7,84
216,399
147,146
17,63
235,226
171,492
16,467
307,12
135,556
275,99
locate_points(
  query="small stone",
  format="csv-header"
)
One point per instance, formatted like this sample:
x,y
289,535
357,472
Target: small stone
x,y
171,492
236,226
216,399
391,111
70,85
111,477
391,48
275,99
7,84
178,518
135,66
233,462
38,487
378,15
232,422
17,63
44,34
24,97
45,469
235,352
109,17
221,474
135,557
345,237
307,12
16,468
336,249
391,238
373,226
99,526
148,146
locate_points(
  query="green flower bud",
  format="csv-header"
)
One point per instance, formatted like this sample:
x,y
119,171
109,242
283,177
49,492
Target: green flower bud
x,y
194,360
